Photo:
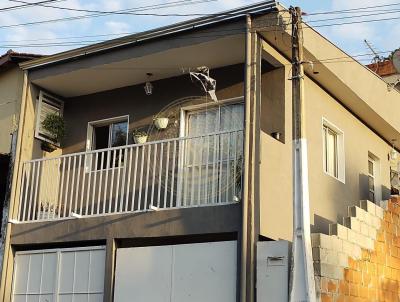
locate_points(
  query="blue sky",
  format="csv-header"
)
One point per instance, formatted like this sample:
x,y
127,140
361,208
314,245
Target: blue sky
x,y
383,35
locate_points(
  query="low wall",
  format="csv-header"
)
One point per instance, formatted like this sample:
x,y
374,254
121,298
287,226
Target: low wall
x,y
360,259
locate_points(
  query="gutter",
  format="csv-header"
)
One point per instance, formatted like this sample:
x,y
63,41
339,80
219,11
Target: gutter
x,y
180,27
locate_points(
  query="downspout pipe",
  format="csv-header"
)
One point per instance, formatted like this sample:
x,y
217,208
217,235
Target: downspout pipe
x,y
246,190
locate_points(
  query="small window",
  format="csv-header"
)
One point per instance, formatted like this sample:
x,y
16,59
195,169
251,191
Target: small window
x,y
333,151
371,179
374,190
111,135
47,104
106,134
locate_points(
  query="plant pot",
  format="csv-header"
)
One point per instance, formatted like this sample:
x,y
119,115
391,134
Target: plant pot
x,y
140,139
48,147
161,122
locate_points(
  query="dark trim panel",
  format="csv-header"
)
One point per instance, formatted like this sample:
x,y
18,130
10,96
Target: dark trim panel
x,y
164,223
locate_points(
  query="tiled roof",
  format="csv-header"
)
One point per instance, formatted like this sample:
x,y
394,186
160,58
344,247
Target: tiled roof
x,y
384,68
11,58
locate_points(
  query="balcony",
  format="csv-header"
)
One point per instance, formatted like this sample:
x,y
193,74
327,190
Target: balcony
x,y
175,173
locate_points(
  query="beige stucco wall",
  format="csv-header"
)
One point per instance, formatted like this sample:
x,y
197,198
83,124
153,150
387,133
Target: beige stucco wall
x,y
329,197
10,101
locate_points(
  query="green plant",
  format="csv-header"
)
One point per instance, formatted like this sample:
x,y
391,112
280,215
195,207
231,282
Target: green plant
x,y
138,132
54,125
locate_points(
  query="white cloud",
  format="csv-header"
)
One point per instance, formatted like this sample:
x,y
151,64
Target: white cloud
x,y
115,27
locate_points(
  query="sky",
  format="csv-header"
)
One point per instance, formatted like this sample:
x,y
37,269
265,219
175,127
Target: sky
x,y
17,32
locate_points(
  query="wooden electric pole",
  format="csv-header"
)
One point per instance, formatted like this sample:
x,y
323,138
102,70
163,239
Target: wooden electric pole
x,y
302,274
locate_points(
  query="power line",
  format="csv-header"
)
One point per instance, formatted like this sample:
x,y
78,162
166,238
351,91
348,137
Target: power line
x,y
27,4
131,10
134,11
122,12
353,16
357,22
353,9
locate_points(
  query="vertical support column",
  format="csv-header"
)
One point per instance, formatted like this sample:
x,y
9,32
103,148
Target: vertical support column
x,y
249,234
7,256
111,249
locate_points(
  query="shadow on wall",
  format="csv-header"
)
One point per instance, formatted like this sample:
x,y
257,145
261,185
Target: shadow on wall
x,y
364,189
321,225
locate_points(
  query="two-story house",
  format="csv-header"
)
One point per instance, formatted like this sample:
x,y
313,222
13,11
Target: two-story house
x,y
161,189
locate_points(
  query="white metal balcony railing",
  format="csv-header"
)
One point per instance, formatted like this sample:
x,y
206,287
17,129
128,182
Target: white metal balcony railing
x,y
173,173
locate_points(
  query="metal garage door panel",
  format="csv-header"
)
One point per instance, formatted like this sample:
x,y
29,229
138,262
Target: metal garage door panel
x,y
205,272
143,274
177,273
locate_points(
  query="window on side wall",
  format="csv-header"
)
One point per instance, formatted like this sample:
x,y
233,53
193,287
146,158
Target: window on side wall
x,y
333,151
103,135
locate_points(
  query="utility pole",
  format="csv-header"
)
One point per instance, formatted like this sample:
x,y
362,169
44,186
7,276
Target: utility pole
x,y
302,274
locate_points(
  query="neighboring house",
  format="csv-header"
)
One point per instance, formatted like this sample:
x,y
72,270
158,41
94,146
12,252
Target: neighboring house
x,y
386,70
180,217
11,85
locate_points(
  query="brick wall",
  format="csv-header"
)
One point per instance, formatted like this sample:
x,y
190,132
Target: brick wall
x,y
360,260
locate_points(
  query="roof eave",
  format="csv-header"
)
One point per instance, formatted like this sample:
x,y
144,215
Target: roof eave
x,y
153,34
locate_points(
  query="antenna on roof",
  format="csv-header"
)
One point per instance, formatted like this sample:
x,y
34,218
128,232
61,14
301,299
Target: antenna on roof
x,y
376,58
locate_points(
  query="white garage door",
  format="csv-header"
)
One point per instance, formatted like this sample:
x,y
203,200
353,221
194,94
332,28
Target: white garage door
x,y
201,272
62,275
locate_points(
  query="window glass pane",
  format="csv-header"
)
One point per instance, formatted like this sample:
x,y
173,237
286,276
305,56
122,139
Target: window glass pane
x,y
119,134
232,117
101,136
331,152
371,196
370,167
371,183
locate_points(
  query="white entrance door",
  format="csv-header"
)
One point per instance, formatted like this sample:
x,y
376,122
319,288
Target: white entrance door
x,y
177,273
213,158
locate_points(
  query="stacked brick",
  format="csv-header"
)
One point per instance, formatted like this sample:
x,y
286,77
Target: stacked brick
x,y
360,259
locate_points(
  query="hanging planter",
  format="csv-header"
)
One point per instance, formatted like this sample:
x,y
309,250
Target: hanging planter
x,y
161,122
139,137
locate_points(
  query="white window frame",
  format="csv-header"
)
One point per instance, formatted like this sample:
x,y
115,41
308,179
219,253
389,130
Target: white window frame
x,y
58,252
46,97
183,118
89,140
376,176
339,147
103,122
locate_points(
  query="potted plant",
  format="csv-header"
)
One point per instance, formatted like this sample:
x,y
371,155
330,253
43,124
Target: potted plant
x,y
160,122
139,136
54,126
